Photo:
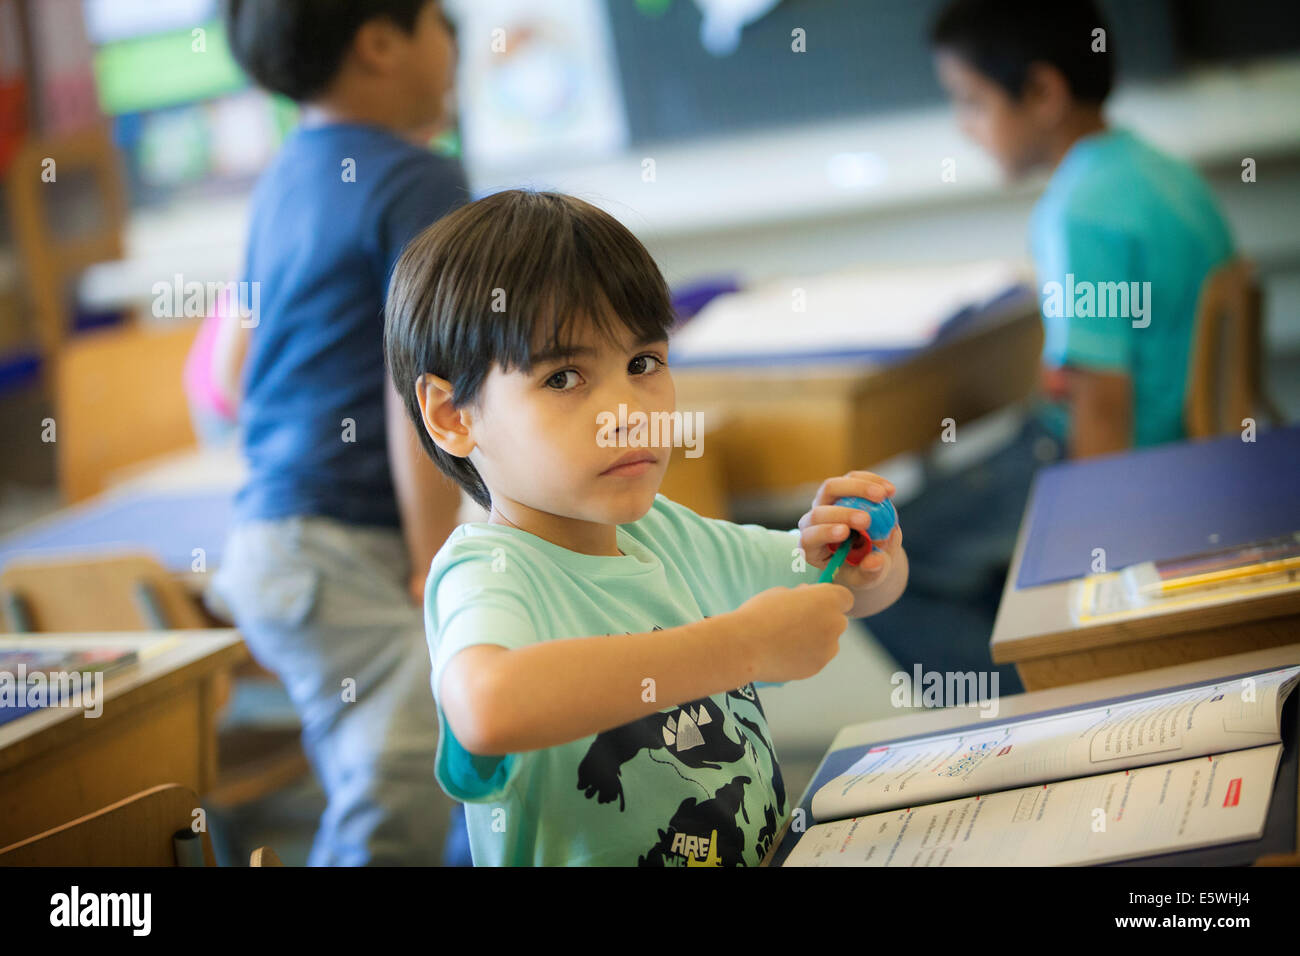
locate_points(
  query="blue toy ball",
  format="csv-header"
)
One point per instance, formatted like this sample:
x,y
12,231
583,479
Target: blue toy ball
x,y
883,515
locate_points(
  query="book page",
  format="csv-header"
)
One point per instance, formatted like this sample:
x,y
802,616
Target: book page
x,y
852,311
1204,801
1211,718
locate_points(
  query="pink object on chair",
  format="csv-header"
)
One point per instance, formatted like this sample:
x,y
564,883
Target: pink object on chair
x,y
200,385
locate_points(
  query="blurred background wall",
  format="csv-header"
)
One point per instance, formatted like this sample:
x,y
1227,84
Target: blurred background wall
x,y
763,162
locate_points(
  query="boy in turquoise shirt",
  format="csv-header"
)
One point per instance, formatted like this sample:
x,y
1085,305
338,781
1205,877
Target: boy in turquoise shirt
x,y
1117,211
595,645
1122,238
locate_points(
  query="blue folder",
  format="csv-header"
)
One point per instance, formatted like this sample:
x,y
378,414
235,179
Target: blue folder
x,y
1160,503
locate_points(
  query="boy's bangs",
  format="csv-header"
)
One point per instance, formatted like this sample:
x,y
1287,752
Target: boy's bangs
x,y
571,291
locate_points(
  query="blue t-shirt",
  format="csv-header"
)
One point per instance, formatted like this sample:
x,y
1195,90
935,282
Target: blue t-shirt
x,y
330,217
1122,239
695,783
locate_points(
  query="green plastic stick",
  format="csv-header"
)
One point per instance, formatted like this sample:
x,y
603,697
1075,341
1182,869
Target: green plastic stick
x,y
836,560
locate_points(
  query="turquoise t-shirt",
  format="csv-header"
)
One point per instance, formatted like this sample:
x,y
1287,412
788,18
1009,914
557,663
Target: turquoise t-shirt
x,y
696,783
1122,239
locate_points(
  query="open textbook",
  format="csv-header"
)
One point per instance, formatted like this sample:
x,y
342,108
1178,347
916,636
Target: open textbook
x,y
1169,771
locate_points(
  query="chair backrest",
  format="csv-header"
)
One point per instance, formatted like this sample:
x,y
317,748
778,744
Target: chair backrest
x,y
123,592
1224,380
119,401
50,259
137,831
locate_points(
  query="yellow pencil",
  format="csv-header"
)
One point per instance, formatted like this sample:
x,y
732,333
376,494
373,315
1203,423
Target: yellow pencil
x,y
1214,577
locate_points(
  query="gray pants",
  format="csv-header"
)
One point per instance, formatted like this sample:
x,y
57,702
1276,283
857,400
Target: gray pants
x,y
324,605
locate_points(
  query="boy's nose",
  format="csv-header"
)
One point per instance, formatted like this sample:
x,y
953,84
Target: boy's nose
x,y
619,395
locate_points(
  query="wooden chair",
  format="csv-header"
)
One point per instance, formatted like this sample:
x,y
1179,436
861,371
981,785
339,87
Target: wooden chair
x,y
137,831
1224,381
119,400
51,261
152,828
126,592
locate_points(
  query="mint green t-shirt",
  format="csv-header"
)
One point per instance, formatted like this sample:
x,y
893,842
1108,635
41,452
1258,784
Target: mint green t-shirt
x,y
1122,239
696,783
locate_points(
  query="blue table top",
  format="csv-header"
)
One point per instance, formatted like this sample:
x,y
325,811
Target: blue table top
x,y
170,525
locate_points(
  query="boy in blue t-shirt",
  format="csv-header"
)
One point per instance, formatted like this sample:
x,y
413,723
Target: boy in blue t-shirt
x,y
341,512
596,646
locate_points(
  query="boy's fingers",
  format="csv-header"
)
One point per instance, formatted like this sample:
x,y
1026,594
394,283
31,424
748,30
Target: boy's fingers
x,y
873,488
871,476
824,535
836,514
871,561
845,596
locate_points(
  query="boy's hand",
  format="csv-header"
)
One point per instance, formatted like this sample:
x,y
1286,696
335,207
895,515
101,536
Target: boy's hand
x,y
1054,382
826,525
792,633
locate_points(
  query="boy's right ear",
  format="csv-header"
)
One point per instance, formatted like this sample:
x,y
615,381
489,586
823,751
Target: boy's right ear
x,y
447,425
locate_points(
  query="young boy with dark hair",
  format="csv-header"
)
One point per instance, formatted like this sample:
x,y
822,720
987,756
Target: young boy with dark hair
x,y
1124,232
342,513
1122,226
596,645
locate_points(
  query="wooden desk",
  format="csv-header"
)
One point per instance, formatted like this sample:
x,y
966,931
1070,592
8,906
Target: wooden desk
x,y
789,425
937,720
1034,631
158,725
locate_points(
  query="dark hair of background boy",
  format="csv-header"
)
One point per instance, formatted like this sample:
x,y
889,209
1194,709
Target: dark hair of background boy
x,y
295,47
555,259
1002,38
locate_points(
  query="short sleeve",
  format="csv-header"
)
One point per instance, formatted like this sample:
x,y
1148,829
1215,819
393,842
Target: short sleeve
x,y
1085,259
740,560
469,603
417,193
775,558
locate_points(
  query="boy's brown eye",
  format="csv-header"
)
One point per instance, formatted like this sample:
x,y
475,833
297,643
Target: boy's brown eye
x,y
559,380
638,366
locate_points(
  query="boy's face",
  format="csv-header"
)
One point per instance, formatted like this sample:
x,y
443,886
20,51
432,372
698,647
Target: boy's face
x,y
986,113
539,440
431,63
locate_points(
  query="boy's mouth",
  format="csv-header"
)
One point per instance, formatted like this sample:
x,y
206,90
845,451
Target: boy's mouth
x,y
630,465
